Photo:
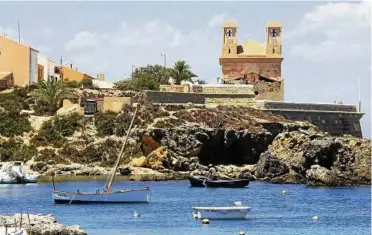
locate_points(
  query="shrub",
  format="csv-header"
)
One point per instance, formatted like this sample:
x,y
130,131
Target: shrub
x,y
86,82
12,125
50,157
72,84
54,131
105,123
122,124
48,135
14,150
67,125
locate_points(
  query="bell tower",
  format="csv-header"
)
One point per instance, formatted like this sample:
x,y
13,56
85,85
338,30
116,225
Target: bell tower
x,y
273,39
229,46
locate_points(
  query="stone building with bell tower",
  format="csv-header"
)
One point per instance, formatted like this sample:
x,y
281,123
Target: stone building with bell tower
x,y
253,62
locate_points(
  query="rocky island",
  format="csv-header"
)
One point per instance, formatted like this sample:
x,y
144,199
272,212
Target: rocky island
x,y
173,141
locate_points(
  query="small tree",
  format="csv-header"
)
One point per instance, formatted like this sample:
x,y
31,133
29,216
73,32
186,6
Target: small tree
x,y
51,93
181,71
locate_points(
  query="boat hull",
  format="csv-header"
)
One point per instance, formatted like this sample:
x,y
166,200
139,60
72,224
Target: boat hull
x,y
226,183
201,182
196,181
123,196
221,213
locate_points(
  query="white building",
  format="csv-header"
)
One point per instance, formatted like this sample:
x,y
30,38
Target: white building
x,y
50,69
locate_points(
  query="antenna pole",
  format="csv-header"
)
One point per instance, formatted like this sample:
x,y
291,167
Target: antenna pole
x,y
359,95
19,33
165,59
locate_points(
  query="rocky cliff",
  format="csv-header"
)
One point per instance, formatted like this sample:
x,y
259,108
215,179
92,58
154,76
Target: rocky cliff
x,y
170,142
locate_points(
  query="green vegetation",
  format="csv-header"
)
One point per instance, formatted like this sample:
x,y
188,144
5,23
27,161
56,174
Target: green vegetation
x,y
104,153
105,123
145,78
72,84
54,131
200,81
51,94
181,71
49,156
12,125
151,77
15,150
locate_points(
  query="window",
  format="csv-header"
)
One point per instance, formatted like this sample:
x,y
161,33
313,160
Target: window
x,y
273,51
229,51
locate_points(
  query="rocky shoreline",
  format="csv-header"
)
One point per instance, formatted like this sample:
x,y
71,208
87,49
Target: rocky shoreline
x,y
37,224
295,155
173,141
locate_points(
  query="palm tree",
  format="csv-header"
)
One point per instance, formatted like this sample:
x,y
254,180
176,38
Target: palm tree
x,y
51,93
181,71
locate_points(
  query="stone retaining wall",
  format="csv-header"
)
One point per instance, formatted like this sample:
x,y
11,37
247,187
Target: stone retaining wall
x,y
333,118
159,97
309,106
334,123
223,89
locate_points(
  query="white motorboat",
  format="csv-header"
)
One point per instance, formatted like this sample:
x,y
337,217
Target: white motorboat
x,y
230,212
13,173
140,195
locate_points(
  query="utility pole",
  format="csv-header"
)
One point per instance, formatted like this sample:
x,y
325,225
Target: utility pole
x,y
165,59
133,68
19,33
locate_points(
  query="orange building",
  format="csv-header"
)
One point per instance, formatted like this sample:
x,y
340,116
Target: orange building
x,y
18,63
70,74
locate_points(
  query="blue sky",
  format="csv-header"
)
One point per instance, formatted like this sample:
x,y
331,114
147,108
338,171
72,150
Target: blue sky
x,y
326,45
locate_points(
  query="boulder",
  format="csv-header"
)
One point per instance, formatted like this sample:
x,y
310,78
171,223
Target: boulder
x,y
318,175
42,225
270,166
136,162
155,159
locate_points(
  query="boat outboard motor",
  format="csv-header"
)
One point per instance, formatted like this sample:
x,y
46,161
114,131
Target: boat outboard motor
x,y
238,204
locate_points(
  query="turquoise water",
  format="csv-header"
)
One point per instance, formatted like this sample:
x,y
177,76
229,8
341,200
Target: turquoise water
x,y
340,210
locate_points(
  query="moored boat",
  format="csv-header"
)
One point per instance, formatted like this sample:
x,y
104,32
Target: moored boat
x,y
125,171
140,195
13,173
199,181
227,183
228,212
196,181
122,196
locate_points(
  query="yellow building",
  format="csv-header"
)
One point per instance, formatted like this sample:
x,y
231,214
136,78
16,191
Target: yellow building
x,y
18,63
238,60
70,74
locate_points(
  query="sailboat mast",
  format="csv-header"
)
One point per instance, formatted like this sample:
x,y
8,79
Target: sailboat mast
x,y
112,176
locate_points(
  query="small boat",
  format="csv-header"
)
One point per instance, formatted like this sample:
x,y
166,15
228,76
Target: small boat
x,y
196,181
199,181
237,211
140,195
125,171
13,173
122,196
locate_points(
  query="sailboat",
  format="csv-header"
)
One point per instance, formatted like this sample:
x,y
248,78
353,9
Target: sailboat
x,y
140,195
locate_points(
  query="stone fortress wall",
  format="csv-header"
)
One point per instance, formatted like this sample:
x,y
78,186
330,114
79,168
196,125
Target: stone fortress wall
x,y
333,118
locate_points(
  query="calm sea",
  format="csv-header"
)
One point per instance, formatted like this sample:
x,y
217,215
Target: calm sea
x,y
340,210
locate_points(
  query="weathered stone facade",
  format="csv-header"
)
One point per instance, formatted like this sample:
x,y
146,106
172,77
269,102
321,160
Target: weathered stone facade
x,y
237,68
252,60
333,118
158,97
